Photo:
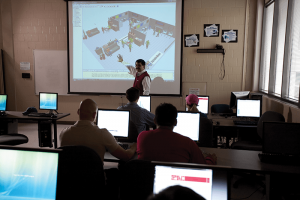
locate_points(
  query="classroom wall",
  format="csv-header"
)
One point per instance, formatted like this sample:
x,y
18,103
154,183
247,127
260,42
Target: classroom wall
x,y
41,24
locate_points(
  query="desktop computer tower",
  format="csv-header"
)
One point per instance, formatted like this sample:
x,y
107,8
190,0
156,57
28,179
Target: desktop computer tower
x,y
8,126
45,134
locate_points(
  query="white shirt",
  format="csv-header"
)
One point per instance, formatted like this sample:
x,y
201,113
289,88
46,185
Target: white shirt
x,y
85,133
146,81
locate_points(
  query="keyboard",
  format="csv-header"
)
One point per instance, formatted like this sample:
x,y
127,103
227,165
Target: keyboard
x,y
279,158
40,115
244,122
227,114
124,146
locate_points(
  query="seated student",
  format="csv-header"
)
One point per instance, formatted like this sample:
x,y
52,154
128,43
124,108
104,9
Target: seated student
x,y
192,103
139,116
163,144
176,192
84,132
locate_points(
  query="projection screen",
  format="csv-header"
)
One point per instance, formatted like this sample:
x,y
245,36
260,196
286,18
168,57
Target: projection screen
x,y
106,37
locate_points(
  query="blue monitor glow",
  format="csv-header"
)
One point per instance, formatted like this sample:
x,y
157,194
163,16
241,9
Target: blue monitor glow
x,y
209,182
105,37
115,121
3,101
28,174
48,101
203,104
145,102
188,124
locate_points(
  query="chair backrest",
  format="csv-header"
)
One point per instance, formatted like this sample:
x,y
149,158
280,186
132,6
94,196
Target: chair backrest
x,y
220,108
80,174
206,133
137,180
133,132
268,116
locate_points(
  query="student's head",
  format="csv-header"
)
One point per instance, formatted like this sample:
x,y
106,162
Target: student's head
x,y
87,110
192,102
132,94
140,65
165,115
176,193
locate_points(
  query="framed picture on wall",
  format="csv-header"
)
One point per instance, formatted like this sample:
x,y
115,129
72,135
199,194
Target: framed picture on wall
x,y
191,40
229,36
211,30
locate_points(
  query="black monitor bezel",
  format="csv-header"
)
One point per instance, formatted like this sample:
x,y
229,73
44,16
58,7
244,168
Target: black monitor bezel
x,y
244,99
233,99
48,93
5,102
118,138
197,141
150,100
199,100
59,151
227,169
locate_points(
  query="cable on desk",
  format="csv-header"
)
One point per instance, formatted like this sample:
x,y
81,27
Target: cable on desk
x,y
249,195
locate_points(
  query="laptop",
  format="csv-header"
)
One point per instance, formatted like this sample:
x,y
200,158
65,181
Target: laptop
x,y
248,111
3,103
116,122
28,173
188,124
203,104
280,143
145,102
211,182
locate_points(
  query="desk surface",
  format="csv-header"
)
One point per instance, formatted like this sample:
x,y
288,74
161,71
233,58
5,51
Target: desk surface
x,y
226,121
242,160
19,115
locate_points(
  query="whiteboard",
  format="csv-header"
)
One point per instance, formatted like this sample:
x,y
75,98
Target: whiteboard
x,y
51,71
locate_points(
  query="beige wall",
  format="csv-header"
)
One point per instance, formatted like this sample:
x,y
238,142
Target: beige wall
x,y
41,24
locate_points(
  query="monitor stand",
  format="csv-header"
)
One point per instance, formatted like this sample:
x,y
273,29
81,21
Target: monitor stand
x,y
3,113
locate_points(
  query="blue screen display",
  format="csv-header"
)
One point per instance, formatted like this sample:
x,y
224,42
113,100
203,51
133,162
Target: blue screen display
x,y
48,101
3,99
28,174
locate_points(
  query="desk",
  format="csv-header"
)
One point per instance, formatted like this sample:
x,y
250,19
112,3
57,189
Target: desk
x,y
16,115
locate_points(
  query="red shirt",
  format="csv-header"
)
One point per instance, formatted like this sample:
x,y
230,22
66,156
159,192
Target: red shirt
x,y
165,145
138,82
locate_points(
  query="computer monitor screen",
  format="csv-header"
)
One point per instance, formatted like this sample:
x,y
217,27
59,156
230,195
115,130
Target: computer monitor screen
x,y
248,108
48,101
238,95
145,102
3,100
115,121
211,184
188,124
203,104
27,174
281,138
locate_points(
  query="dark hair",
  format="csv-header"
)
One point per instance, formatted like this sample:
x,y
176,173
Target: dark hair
x,y
165,114
176,193
141,61
132,94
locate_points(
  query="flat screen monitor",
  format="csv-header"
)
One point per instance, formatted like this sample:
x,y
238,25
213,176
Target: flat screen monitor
x,y
48,101
104,37
28,173
203,104
238,95
145,102
248,108
3,102
281,138
188,124
115,121
210,183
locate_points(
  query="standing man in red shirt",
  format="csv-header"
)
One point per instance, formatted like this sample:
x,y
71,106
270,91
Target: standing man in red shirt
x,y
142,79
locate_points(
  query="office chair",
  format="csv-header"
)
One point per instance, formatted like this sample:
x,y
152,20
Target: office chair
x,y
137,180
256,143
220,108
80,174
11,138
206,133
133,132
